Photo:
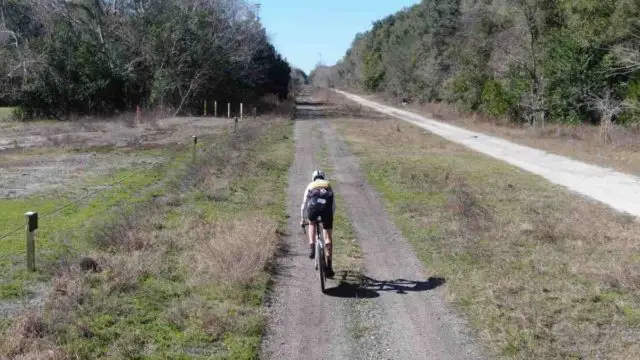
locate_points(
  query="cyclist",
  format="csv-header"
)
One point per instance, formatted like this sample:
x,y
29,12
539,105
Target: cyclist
x,y
318,201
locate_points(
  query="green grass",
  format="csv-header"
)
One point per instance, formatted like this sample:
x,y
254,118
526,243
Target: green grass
x,y
167,289
63,233
537,271
5,113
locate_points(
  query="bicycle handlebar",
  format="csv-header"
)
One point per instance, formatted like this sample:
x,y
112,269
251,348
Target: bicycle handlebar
x,y
306,223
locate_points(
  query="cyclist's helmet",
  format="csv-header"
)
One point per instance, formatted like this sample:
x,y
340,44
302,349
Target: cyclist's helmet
x,y
317,174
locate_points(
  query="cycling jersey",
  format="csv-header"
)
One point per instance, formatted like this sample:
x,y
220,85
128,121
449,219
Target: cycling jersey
x,y
310,190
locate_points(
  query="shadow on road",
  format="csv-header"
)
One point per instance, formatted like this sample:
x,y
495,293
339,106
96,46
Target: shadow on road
x,y
350,290
402,286
364,287
311,103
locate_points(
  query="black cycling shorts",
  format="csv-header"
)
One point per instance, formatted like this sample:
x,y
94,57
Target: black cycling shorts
x,y
315,209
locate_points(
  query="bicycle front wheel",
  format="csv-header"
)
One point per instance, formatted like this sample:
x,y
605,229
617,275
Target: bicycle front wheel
x,y
322,268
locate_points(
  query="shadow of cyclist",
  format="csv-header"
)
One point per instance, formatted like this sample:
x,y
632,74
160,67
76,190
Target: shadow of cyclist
x,y
364,287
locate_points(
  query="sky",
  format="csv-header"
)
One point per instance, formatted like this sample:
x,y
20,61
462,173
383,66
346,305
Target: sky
x,y
308,31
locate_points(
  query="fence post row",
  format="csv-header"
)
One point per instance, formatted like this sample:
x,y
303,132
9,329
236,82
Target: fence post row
x,y
31,226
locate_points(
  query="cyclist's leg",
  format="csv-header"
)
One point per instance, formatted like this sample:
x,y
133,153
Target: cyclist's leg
x,y
327,224
328,242
311,215
312,233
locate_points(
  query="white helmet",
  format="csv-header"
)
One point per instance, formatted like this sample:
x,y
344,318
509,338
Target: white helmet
x,y
317,174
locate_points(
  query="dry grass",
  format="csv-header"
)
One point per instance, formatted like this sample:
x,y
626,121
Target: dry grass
x,y
582,142
25,331
540,273
234,253
463,203
24,340
90,134
58,156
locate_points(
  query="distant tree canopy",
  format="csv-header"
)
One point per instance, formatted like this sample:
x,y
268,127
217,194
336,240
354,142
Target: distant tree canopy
x,y
298,78
62,57
525,59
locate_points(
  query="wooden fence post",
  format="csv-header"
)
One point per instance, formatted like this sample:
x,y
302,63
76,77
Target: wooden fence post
x,y
31,226
215,108
229,110
240,111
195,147
205,108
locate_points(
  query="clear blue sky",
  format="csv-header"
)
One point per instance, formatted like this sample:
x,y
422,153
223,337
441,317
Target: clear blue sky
x,y
303,29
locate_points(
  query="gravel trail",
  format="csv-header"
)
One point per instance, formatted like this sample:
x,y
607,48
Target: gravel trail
x,y
396,313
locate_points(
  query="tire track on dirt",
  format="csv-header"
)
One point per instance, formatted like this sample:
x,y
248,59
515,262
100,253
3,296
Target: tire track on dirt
x,y
410,318
303,323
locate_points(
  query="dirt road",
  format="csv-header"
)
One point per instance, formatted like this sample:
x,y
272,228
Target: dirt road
x,y
619,190
398,310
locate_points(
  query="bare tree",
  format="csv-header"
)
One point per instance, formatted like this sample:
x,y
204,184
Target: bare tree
x,y
628,55
10,37
534,102
608,107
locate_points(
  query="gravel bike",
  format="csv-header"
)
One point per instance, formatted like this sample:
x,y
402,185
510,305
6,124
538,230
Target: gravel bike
x,y
320,258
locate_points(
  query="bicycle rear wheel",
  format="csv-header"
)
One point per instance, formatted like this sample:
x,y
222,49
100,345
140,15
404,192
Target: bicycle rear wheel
x,y
322,267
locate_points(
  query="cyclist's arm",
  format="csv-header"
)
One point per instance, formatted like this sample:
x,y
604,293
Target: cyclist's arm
x,y
304,202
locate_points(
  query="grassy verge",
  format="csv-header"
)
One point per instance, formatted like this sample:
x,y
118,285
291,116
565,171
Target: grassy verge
x,y
540,273
183,273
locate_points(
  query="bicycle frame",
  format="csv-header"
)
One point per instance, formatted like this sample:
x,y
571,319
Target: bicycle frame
x,y
320,259
319,241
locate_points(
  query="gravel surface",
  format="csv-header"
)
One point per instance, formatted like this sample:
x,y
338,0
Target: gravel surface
x,y
305,324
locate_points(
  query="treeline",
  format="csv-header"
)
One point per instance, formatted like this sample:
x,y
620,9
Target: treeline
x,y
101,57
530,60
